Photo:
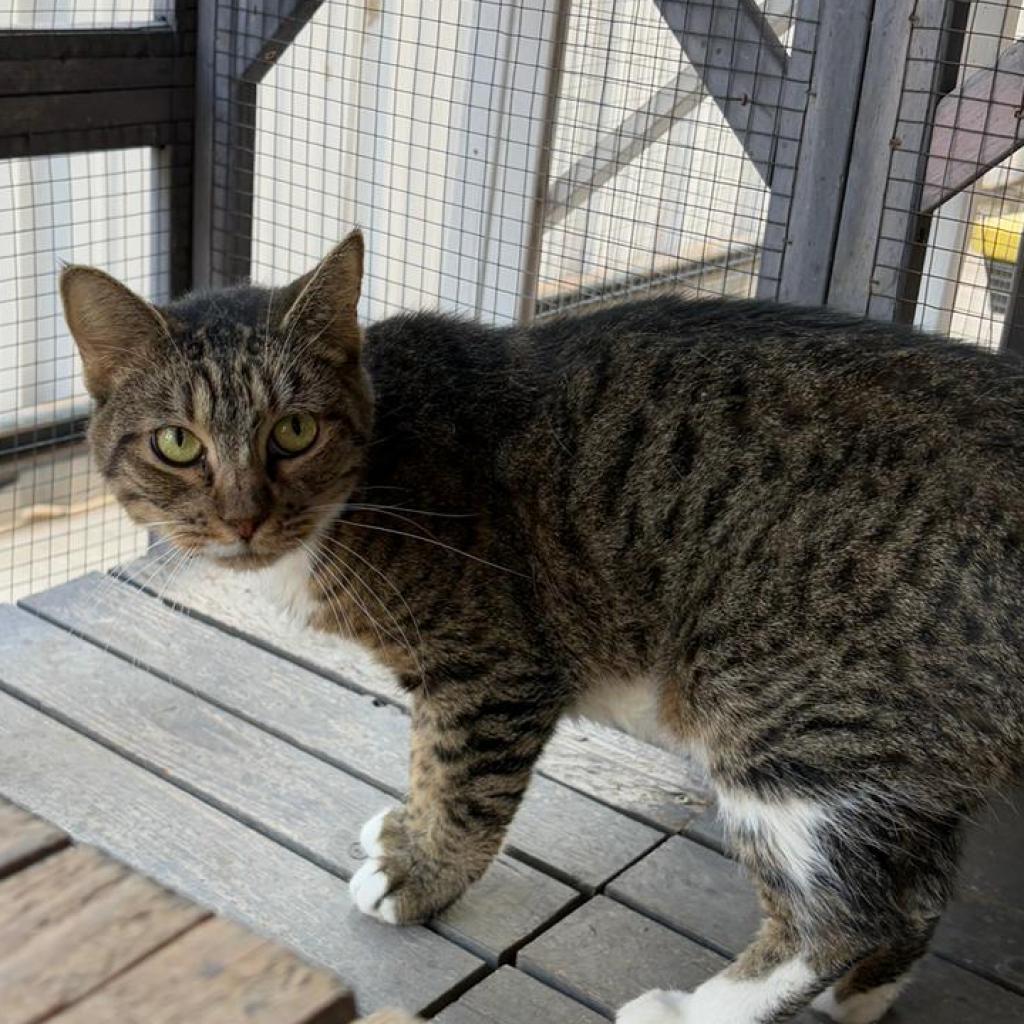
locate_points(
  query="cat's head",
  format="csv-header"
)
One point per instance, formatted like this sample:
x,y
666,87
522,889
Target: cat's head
x,y
234,422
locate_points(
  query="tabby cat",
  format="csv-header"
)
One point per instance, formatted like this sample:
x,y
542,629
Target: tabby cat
x,y
788,541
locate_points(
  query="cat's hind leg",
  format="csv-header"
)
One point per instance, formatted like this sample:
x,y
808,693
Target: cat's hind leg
x,y
865,993
852,895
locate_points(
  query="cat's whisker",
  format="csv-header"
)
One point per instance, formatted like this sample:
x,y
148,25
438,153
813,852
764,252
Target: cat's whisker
x,y
106,590
440,544
335,572
362,506
419,636
335,606
402,640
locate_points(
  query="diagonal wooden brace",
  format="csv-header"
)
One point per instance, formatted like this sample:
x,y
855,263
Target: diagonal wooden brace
x,y
741,63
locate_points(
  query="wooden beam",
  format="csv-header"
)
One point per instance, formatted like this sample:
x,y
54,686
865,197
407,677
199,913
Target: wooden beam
x,y
619,147
114,108
879,230
89,74
21,46
622,145
234,55
741,63
976,127
816,128
43,143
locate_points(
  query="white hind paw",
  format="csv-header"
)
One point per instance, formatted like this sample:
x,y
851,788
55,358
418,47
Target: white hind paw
x,y
861,1008
655,1007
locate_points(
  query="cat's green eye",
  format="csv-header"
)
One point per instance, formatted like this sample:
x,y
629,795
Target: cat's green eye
x,y
176,445
294,433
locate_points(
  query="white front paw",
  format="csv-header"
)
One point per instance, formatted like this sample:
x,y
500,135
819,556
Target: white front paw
x,y
655,1007
369,834
369,888
370,884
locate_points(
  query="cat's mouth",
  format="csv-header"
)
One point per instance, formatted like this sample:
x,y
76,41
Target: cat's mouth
x,y
240,555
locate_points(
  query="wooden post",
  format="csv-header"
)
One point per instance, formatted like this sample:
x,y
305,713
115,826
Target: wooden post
x,y
816,126
913,55
237,47
498,155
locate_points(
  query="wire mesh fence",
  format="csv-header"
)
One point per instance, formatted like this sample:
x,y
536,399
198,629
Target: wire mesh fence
x,y
514,159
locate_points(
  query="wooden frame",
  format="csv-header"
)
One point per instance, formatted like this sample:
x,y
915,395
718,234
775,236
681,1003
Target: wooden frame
x,y
228,79
81,91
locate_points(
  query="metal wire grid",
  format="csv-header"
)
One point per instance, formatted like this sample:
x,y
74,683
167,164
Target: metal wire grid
x,y
964,74
44,15
437,128
398,117
110,209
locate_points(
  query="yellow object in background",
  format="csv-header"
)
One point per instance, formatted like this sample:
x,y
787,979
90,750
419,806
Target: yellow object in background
x,y
998,238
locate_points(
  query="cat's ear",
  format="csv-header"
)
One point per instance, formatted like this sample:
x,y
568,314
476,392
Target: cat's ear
x,y
322,304
111,325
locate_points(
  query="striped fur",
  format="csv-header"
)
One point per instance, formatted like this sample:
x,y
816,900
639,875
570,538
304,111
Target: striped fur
x,y
799,537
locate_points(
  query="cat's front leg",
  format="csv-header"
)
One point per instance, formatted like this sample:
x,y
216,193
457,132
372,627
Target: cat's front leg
x,y
472,756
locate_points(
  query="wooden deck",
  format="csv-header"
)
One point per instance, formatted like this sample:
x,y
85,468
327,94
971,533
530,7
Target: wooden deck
x,y
85,940
233,758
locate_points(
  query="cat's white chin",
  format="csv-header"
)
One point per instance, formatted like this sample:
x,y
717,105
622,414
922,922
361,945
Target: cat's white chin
x,y
212,549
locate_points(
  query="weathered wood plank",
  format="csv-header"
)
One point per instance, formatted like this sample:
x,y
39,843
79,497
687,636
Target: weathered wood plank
x,y
71,923
975,127
983,930
651,784
583,956
296,799
348,729
188,846
510,997
803,220
217,973
644,783
876,180
24,838
942,993
694,890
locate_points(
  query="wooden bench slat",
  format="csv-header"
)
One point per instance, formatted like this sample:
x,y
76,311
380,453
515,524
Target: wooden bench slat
x,y
984,928
217,973
942,993
581,840
510,997
291,796
652,786
581,955
191,848
24,838
73,921
696,891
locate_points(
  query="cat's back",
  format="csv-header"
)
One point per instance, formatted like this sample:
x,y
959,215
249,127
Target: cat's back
x,y
750,374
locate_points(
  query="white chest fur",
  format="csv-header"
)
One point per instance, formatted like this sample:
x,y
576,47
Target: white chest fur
x,y
287,583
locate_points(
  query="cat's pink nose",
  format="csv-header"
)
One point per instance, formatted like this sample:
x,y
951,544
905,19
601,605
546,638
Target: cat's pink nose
x,y
245,528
